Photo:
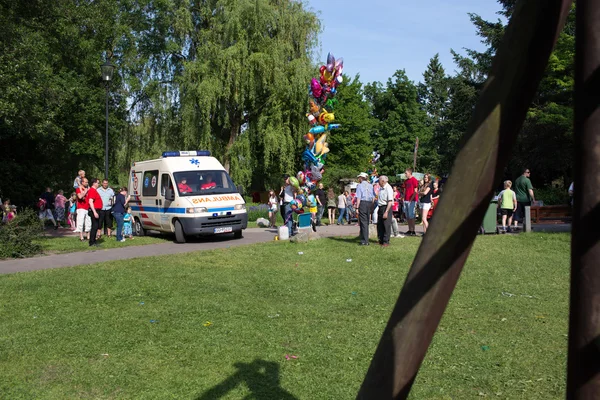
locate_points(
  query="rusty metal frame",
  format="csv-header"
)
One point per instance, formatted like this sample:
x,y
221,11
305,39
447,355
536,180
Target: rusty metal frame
x,y
517,69
583,374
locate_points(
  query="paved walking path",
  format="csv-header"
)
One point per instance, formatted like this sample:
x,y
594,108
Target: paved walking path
x,y
251,236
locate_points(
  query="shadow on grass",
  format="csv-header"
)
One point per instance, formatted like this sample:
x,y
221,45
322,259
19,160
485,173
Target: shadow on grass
x,y
345,239
261,377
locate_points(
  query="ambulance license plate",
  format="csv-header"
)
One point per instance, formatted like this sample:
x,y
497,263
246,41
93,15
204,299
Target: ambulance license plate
x,y
224,229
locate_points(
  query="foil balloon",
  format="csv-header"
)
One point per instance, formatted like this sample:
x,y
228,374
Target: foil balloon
x,y
315,86
326,118
315,173
330,59
314,108
311,119
310,139
317,129
300,177
320,144
294,182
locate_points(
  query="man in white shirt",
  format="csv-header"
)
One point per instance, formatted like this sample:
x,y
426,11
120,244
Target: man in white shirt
x,y
385,200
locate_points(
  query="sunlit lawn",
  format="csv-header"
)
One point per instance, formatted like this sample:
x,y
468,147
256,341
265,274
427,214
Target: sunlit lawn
x,y
69,244
219,324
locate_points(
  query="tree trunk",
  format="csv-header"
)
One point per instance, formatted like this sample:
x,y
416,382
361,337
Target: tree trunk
x,y
233,134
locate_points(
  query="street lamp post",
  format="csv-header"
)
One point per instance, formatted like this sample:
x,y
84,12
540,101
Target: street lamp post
x,y
107,74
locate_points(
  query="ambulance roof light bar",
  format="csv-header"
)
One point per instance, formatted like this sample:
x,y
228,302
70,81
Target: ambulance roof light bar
x,y
199,153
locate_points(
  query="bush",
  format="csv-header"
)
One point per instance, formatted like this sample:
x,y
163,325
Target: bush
x,y
552,196
257,210
18,238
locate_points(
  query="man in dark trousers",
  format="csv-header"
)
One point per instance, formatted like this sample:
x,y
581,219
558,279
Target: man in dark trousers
x,y
524,192
95,202
364,203
321,201
384,219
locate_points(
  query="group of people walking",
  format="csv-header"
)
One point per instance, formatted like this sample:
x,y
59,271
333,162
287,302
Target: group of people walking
x,y
512,203
377,203
96,204
90,210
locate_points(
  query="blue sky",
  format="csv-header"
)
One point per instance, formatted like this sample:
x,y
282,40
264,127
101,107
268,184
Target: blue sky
x,y
378,37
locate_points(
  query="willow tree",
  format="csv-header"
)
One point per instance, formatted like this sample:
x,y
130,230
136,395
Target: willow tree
x,y
243,85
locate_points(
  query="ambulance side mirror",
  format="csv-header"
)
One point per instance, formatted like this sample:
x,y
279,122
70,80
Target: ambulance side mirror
x,y
240,189
170,195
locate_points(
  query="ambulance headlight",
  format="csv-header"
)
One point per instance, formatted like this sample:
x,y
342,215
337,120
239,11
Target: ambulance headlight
x,y
195,210
240,207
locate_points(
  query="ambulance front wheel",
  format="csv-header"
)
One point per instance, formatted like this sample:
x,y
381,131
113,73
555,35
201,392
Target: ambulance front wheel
x,y
139,229
238,234
179,235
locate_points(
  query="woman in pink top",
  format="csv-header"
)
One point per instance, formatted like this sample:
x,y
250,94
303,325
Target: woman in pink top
x,y
59,205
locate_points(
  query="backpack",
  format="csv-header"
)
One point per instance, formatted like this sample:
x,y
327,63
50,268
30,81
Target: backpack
x,y
41,204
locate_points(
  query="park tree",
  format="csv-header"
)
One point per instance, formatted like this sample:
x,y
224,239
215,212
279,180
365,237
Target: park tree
x,y
400,121
52,102
242,86
433,91
545,143
350,145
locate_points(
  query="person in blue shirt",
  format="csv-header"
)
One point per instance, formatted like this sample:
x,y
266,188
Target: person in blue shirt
x,y
119,210
364,203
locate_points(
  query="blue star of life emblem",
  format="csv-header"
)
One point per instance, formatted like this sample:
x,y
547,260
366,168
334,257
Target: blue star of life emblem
x,y
195,162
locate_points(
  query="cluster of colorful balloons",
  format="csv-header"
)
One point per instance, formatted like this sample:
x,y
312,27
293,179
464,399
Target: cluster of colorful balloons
x,y
322,103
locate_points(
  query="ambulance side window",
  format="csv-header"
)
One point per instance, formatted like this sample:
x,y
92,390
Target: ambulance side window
x,y
165,183
150,183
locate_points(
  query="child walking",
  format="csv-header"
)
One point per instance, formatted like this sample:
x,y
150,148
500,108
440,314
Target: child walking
x,y
72,211
507,201
127,221
273,206
59,207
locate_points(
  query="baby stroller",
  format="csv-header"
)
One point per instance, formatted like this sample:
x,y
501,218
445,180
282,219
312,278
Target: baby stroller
x,y
351,213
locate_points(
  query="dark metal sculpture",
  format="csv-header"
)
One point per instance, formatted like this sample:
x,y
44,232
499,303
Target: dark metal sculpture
x,y
518,67
583,377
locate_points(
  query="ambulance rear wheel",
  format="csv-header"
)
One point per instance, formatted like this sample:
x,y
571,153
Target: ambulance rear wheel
x,y
139,229
179,235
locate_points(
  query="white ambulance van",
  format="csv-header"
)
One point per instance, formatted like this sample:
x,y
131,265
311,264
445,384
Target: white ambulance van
x,y
185,192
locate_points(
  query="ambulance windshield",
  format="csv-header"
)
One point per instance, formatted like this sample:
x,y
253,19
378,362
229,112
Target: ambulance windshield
x,y
197,183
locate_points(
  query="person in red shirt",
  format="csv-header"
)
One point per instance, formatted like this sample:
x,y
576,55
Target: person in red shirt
x,y
209,184
410,200
95,203
184,187
83,219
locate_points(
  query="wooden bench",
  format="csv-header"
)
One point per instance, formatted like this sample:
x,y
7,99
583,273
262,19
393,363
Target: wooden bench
x,y
550,214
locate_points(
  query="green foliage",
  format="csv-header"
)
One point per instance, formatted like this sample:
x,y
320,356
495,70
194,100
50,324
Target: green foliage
x,y
551,195
545,143
350,146
246,75
332,176
19,237
52,107
401,120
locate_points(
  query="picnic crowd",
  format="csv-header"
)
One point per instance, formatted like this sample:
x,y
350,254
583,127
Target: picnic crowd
x,y
90,210
93,206
375,201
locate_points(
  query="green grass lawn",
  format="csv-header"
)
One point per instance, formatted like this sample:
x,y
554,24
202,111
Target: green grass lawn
x,y
219,324
69,244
